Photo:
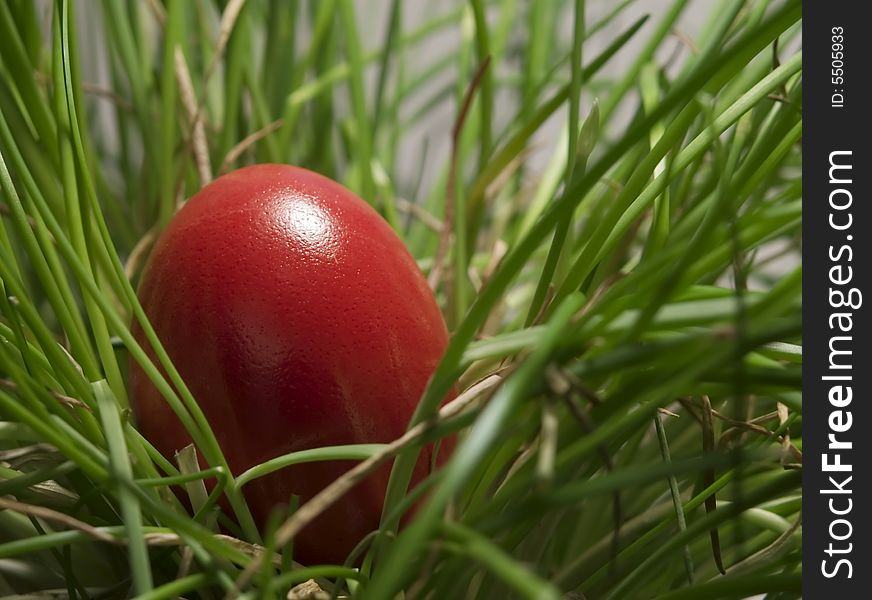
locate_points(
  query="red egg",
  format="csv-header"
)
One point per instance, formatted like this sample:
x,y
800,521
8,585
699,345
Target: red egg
x,y
298,319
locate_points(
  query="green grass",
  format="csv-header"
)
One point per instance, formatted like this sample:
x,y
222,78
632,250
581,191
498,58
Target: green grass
x,y
599,239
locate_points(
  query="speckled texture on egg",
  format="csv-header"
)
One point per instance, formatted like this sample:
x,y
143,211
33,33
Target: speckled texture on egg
x,y
298,319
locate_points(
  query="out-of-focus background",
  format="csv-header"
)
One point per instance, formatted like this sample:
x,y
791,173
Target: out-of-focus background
x,y
434,130
430,137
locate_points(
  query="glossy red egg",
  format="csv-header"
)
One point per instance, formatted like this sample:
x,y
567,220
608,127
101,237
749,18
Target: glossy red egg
x,y
298,319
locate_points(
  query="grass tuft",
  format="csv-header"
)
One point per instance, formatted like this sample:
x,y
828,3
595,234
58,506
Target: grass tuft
x,y
611,227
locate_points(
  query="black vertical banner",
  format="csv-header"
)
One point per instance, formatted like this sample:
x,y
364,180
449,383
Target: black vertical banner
x,y
837,440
